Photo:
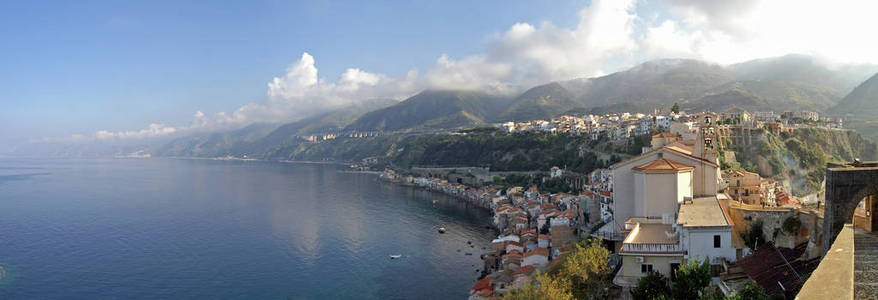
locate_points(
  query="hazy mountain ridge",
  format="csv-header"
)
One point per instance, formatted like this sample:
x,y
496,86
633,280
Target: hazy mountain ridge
x,y
861,102
792,82
433,109
860,108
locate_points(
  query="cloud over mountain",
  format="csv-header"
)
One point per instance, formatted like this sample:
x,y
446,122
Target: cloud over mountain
x,y
609,35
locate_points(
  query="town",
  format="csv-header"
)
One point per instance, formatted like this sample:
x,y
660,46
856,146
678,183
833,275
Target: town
x,y
672,204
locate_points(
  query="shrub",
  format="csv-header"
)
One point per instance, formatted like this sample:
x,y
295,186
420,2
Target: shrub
x,y
652,286
791,225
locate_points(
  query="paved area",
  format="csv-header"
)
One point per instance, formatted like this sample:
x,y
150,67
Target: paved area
x,y
865,264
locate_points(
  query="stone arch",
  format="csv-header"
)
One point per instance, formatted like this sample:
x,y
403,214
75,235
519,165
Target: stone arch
x,y
869,195
846,186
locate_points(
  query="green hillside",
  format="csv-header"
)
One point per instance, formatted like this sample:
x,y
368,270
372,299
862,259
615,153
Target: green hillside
x,y
860,108
802,155
433,109
659,82
541,102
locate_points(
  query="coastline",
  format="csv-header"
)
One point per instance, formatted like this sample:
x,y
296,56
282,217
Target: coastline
x,y
459,192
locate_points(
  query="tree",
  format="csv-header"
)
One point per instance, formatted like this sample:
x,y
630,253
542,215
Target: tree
x,y
652,286
675,108
792,224
754,236
587,268
752,291
545,287
691,279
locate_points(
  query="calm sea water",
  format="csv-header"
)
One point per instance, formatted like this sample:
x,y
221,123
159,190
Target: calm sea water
x,y
163,228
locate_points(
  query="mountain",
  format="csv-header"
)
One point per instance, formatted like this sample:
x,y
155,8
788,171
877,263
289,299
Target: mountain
x,y
541,102
860,108
657,83
255,140
861,102
216,144
721,101
796,81
433,109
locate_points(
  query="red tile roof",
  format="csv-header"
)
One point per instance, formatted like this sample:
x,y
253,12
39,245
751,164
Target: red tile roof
x,y
483,284
665,135
512,254
767,267
537,251
526,270
663,165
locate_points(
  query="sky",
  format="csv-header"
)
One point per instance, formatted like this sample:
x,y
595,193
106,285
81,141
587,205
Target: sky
x,y
122,70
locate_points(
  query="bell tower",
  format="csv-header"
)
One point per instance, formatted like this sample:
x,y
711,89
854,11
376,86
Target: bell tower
x,y
705,143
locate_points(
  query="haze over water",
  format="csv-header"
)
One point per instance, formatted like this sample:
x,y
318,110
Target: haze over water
x,y
160,228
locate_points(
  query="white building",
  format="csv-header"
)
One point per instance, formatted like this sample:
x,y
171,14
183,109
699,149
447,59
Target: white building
x,y
538,257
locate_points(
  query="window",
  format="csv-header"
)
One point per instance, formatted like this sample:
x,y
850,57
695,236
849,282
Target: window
x,y
646,268
717,241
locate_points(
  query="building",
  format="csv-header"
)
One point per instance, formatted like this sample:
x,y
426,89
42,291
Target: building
x,y
671,210
660,185
556,172
664,138
538,257
706,230
745,187
738,114
705,173
650,246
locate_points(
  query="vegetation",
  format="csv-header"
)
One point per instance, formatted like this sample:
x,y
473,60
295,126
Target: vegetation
x,y
691,279
754,234
802,153
752,291
546,287
583,274
653,286
792,224
502,152
692,282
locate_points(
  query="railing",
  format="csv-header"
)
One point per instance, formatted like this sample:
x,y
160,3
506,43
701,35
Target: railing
x,y
651,248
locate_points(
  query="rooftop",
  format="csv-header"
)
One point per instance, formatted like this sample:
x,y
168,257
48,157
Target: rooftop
x,y
652,233
537,251
663,165
702,212
665,134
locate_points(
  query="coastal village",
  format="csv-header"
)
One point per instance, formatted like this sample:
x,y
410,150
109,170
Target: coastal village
x,y
656,211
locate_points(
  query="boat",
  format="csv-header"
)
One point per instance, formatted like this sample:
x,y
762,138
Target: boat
x,y
468,253
395,256
442,229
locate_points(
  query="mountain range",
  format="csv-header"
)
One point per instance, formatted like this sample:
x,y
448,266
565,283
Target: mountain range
x,y
791,82
860,108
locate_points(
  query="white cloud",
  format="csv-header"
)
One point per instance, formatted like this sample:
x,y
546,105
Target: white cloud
x,y
526,55
609,36
153,130
470,73
299,78
730,31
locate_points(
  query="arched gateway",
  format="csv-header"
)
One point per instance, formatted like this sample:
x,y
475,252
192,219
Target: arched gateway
x,y
846,186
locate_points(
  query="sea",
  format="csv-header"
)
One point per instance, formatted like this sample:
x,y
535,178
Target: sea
x,y
161,228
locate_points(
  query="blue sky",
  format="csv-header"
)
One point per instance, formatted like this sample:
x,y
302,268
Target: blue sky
x,y
94,69
73,67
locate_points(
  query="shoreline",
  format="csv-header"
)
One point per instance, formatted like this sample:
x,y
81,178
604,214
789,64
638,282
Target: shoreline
x,y
459,192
